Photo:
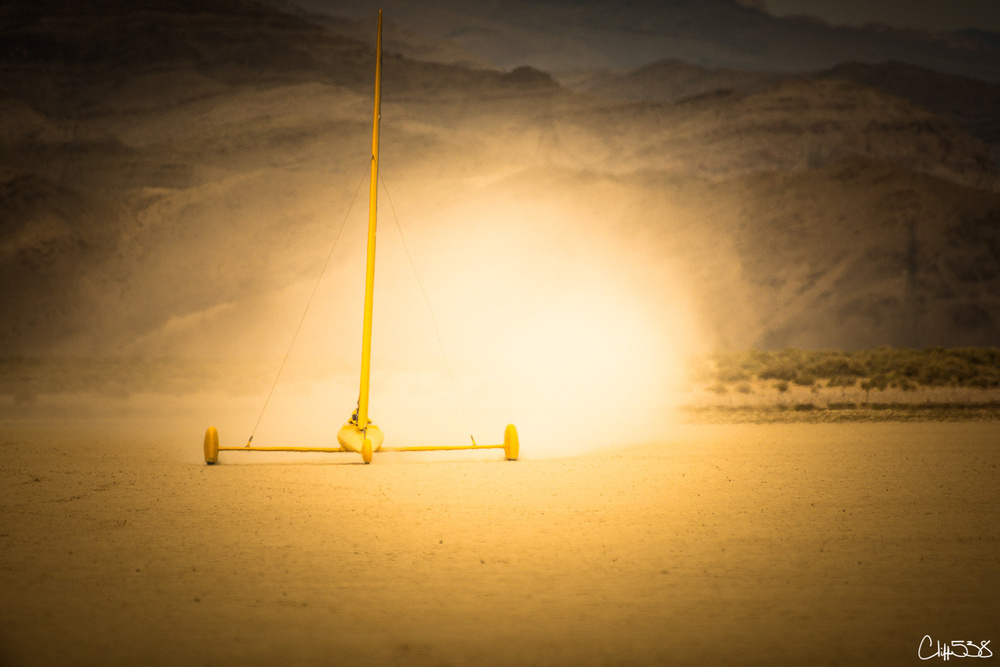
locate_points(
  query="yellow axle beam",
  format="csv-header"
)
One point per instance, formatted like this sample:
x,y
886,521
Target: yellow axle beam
x,y
439,448
511,448
327,450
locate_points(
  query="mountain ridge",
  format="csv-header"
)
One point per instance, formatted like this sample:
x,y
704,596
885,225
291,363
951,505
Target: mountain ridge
x,y
555,36
173,204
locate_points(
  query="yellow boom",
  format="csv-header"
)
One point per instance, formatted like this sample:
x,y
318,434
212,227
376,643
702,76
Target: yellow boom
x,y
510,447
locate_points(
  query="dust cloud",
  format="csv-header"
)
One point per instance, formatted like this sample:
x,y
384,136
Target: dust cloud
x,y
516,308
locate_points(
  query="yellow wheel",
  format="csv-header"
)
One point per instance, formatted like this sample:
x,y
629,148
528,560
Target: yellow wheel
x,y
511,448
211,445
366,451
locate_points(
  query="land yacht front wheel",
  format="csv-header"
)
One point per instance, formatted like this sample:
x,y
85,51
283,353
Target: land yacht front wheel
x,y
211,445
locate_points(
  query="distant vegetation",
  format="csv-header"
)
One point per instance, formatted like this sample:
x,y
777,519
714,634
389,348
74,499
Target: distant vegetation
x,y
885,384
844,412
882,368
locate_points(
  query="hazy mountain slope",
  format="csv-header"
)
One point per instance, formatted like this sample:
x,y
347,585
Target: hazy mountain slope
x,y
221,157
793,124
669,80
397,39
870,254
554,35
50,239
972,103
174,175
68,54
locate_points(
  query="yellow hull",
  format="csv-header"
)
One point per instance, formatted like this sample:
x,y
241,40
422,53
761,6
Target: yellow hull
x,y
364,442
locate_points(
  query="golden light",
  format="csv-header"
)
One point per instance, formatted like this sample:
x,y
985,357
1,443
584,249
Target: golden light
x,y
548,317
552,319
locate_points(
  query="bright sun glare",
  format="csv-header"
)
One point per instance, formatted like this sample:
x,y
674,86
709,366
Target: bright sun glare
x,y
547,318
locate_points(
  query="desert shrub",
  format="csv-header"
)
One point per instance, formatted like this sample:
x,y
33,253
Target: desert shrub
x,y
744,388
881,361
957,369
978,356
804,380
781,385
778,370
932,375
730,375
803,407
836,365
842,406
718,388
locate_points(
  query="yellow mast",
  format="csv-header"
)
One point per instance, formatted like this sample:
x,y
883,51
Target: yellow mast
x,y
361,436
366,340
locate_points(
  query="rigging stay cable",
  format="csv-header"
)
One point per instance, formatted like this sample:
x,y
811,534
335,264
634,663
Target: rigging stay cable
x,y
309,303
427,300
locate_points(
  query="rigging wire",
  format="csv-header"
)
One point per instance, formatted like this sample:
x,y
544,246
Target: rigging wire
x,y
437,329
309,303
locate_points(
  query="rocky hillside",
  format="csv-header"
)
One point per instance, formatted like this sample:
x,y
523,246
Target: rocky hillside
x,y
563,37
667,81
971,103
175,172
797,123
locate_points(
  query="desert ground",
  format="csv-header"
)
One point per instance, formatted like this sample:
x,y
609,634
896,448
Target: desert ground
x,y
722,544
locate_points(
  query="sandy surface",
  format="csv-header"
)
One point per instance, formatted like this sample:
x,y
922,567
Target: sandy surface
x,y
766,544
